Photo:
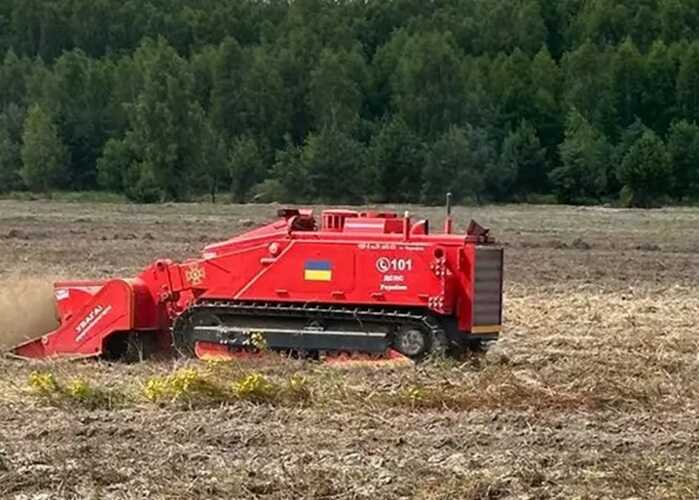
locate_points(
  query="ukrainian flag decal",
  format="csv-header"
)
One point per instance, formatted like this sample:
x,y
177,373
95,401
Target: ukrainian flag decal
x,y
317,270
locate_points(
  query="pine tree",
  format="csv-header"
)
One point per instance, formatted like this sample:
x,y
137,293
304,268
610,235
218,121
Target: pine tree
x,y
546,114
337,88
524,160
688,83
213,165
427,85
629,82
456,163
582,177
589,86
646,172
289,175
659,101
246,167
397,157
11,123
683,148
336,165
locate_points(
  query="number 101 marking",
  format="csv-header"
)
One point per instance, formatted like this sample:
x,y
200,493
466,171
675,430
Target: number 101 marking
x,y
384,264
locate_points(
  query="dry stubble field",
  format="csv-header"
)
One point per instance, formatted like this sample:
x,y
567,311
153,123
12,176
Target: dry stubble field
x,y
592,393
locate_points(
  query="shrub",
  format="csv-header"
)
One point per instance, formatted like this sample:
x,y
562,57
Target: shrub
x,y
81,391
47,387
255,387
44,384
185,385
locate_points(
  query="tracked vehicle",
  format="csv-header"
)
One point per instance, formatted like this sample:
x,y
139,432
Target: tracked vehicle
x,y
349,282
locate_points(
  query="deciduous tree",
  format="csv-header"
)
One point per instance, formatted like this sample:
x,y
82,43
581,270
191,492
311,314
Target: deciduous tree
x,y
43,154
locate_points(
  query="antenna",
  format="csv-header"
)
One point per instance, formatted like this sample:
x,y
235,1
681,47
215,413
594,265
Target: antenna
x,y
448,223
406,225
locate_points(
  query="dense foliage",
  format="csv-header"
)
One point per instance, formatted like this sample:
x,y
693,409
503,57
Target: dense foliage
x,y
352,100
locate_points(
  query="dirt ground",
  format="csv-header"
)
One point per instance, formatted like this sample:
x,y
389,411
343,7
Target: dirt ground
x,y
593,391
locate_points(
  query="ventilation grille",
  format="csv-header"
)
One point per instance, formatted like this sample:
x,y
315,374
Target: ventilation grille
x,y
487,307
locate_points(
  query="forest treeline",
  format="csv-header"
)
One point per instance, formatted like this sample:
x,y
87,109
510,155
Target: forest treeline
x,y
352,100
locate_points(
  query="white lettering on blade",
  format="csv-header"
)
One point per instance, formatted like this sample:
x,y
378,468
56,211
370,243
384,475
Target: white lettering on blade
x,y
90,321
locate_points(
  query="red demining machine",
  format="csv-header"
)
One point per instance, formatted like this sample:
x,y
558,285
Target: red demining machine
x,y
354,282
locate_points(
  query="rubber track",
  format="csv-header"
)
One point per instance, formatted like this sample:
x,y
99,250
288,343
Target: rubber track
x,y
310,311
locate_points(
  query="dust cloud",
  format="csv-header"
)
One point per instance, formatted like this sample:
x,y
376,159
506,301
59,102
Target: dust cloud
x,y
27,311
